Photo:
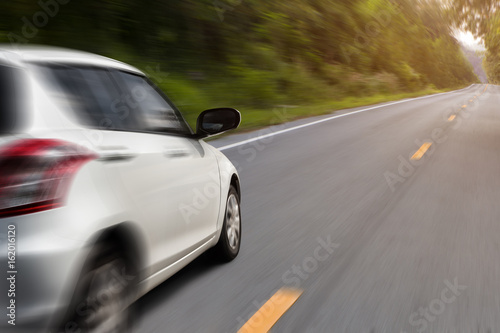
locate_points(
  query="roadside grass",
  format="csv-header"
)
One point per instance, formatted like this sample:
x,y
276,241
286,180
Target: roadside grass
x,y
269,98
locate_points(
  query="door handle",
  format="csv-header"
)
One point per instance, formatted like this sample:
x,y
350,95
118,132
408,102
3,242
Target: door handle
x,y
176,152
115,154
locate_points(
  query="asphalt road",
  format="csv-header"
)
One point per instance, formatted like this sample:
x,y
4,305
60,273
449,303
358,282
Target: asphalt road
x,y
415,245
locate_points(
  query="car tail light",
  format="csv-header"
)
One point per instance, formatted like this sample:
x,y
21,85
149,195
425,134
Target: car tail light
x,y
35,174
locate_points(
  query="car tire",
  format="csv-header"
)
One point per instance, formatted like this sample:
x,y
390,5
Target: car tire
x,y
103,295
229,243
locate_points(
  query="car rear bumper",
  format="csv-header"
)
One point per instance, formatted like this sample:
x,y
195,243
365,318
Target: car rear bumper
x,y
37,288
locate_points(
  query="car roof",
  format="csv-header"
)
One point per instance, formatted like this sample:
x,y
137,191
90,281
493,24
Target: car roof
x,y
17,55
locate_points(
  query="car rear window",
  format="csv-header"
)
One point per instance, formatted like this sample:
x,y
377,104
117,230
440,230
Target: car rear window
x,y
10,99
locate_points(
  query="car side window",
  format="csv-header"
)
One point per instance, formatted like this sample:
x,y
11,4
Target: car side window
x,y
156,114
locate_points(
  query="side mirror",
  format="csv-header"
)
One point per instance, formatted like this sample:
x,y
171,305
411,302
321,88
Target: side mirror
x,y
216,121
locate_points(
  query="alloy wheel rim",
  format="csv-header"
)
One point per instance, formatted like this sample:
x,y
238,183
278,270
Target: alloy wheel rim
x,y
108,315
233,222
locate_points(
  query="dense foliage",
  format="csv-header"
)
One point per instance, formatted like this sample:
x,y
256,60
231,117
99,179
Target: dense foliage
x,y
483,19
256,53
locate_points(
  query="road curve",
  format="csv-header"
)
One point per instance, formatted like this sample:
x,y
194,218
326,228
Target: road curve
x,y
376,241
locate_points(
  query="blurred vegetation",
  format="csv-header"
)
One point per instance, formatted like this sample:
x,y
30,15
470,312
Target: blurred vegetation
x,y
482,18
257,54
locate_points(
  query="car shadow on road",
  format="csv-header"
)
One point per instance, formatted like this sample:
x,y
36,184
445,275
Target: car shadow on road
x,y
157,297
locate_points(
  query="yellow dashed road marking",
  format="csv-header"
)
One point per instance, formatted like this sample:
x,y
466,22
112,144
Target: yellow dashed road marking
x,y
265,318
418,155
452,117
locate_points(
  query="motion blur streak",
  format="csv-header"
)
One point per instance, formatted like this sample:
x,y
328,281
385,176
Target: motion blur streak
x,y
368,126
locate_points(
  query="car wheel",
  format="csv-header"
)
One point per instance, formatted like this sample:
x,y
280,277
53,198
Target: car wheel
x,y
228,246
103,294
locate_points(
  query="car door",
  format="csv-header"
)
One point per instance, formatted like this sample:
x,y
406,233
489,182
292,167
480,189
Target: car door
x,y
186,181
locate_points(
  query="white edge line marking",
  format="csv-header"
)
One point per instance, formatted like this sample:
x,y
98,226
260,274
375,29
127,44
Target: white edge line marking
x,y
260,137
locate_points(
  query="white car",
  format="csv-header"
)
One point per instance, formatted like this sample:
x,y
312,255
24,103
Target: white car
x,y
105,191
